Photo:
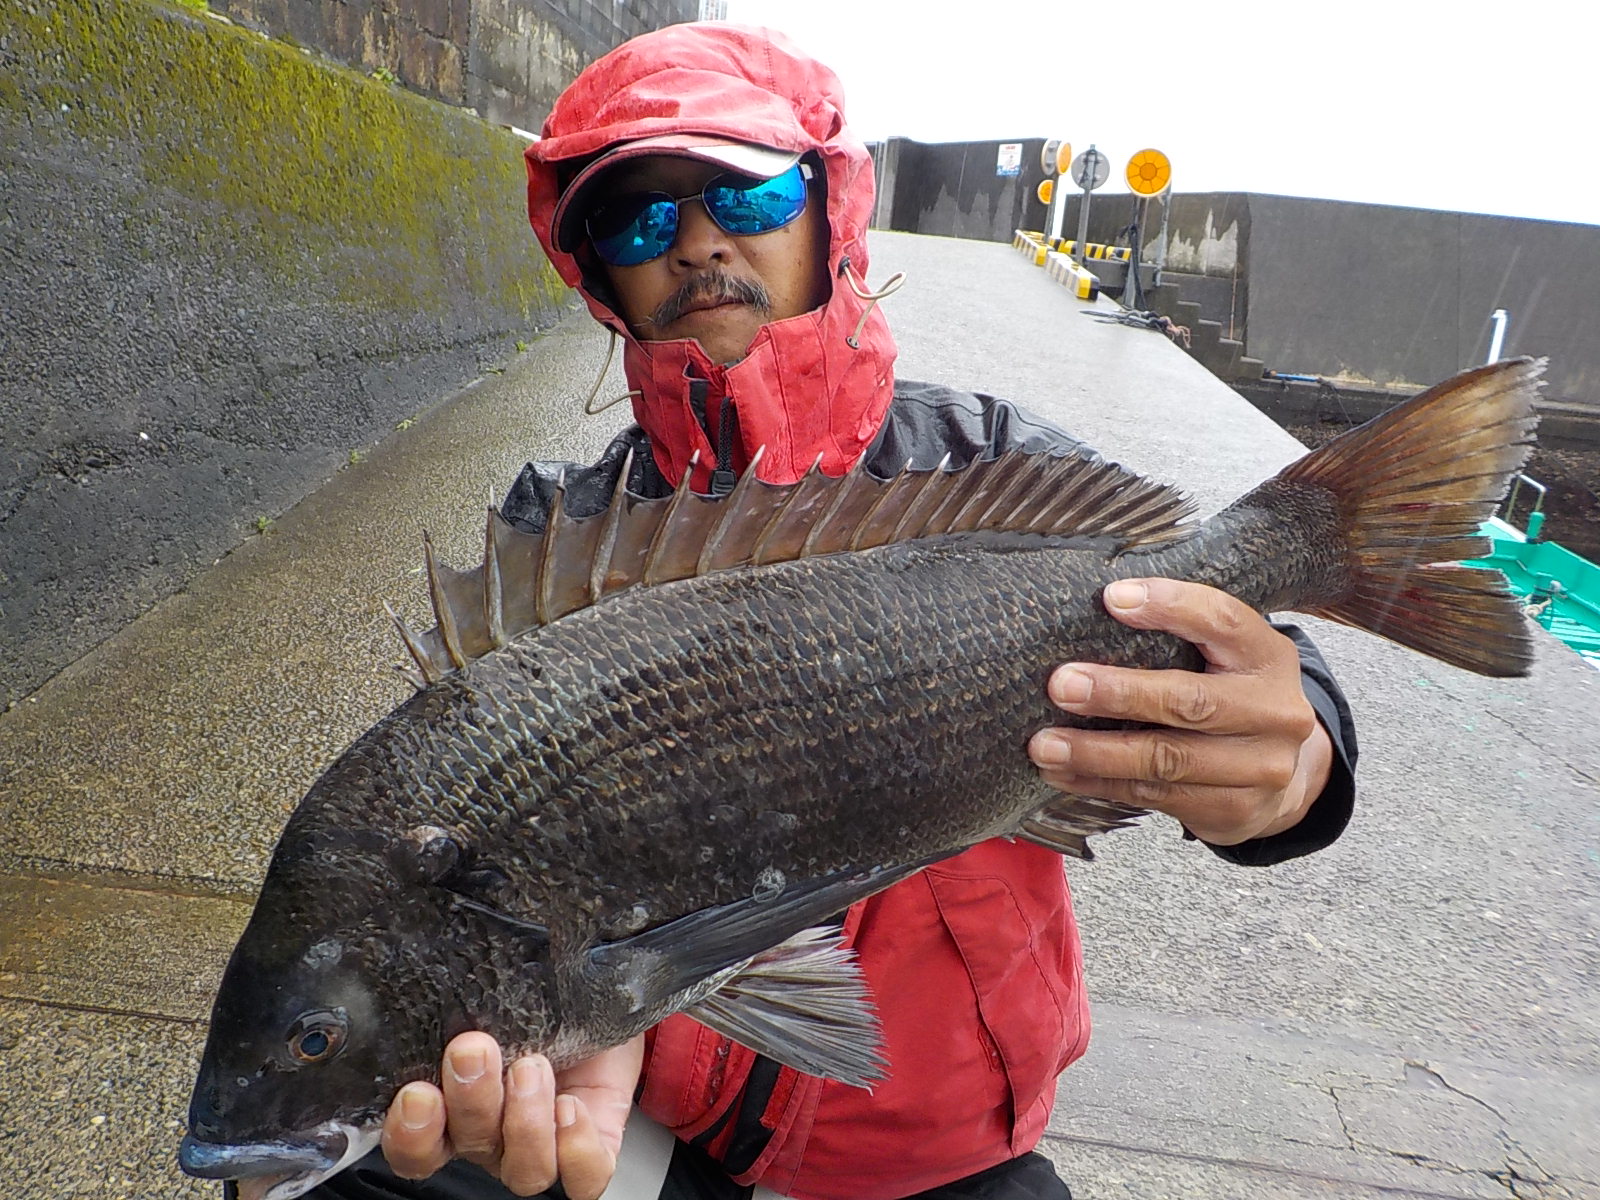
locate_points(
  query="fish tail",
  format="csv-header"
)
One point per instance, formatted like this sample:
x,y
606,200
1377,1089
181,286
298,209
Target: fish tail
x,y
1409,492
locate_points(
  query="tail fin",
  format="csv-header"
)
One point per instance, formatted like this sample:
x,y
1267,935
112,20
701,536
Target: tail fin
x,y
1412,487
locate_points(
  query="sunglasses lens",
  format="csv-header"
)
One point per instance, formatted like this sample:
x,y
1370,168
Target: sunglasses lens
x,y
743,206
634,229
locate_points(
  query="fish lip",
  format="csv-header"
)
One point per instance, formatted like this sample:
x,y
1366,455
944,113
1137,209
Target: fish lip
x,y
213,1160
280,1175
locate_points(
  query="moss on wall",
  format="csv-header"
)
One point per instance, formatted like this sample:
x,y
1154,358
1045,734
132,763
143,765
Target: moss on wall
x,y
308,159
227,263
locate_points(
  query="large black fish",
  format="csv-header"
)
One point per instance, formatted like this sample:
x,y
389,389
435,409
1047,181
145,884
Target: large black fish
x,y
655,749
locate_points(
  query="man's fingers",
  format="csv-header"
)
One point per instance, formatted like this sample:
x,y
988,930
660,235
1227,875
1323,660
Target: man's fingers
x,y
1206,703
528,1157
414,1133
474,1097
1229,633
1222,816
605,1084
1159,762
587,1163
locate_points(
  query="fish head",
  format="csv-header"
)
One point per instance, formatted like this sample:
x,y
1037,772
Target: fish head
x,y
341,990
290,1088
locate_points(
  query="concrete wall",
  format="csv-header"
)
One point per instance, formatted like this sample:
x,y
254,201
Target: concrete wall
x,y
227,266
506,59
951,189
1385,296
1403,297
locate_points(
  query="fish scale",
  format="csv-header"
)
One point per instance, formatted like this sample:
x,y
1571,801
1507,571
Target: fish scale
x,y
654,752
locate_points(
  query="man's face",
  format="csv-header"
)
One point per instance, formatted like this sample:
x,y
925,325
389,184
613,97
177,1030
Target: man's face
x,y
702,287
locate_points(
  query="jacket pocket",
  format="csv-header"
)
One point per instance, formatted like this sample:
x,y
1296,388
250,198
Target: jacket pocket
x,y
1019,944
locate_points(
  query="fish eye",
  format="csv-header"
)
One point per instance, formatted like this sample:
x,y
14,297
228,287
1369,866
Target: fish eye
x,y
317,1036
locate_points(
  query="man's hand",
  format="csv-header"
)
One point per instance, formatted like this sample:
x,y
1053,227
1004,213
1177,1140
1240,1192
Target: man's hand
x,y
1240,754
527,1126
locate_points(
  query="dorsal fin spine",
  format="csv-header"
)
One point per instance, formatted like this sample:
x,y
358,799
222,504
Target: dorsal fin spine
x,y
494,588
846,481
1019,483
1039,501
664,529
444,616
601,566
956,497
912,522
430,671
547,550
758,553
1010,518
884,493
971,497
1072,497
746,482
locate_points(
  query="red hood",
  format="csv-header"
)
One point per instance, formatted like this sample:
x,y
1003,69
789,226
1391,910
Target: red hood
x,y
802,389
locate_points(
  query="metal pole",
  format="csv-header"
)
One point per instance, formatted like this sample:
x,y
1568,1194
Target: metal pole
x,y
1499,316
1161,246
1090,160
1130,285
1058,208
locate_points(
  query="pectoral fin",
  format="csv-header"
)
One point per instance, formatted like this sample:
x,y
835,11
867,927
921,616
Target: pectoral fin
x,y
804,1004
682,953
797,1000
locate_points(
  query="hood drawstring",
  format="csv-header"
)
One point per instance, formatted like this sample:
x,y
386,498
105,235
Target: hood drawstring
x,y
889,288
588,404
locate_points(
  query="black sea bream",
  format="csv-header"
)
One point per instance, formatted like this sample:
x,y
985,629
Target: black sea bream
x,y
655,750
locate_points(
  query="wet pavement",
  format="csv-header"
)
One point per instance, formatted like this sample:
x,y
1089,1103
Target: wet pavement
x,y
1414,1012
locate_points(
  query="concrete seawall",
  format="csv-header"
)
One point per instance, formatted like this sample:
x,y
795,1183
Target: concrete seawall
x,y
505,59
230,267
1376,294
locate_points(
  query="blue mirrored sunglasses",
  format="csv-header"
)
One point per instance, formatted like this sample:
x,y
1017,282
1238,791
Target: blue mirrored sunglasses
x,y
634,229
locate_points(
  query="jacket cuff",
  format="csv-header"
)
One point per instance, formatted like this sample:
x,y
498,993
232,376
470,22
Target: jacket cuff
x,y
1329,813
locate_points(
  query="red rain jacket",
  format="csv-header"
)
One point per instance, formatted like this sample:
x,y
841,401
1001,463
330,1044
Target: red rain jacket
x,y
974,964
802,389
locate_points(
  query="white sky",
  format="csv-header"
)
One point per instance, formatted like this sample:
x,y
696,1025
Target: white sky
x,y
1427,103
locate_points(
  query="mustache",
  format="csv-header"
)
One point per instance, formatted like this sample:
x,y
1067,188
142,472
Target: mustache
x,y
715,286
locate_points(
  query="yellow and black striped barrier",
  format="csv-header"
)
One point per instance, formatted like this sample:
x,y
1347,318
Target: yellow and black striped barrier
x,y
1085,285
1095,250
1033,245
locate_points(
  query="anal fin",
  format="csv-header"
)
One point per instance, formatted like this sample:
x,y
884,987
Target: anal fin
x,y
1065,824
805,1004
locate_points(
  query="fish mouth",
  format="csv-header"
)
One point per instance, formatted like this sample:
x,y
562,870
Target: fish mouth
x,y
278,1170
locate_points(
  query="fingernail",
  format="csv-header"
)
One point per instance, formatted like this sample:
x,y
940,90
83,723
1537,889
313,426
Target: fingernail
x,y
1126,593
1070,686
418,1108
1051,750
468,1064
566,1111
526,1077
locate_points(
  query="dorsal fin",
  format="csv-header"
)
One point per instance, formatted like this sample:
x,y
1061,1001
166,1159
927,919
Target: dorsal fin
x,y
528,580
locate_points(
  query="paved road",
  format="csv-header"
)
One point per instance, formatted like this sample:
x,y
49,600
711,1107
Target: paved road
x,y
1413,1012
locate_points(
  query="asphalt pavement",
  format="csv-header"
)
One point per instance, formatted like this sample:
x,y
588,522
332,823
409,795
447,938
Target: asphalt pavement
x,y
1412,1012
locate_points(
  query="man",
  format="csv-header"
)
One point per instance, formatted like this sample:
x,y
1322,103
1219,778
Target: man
x,y
700,186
